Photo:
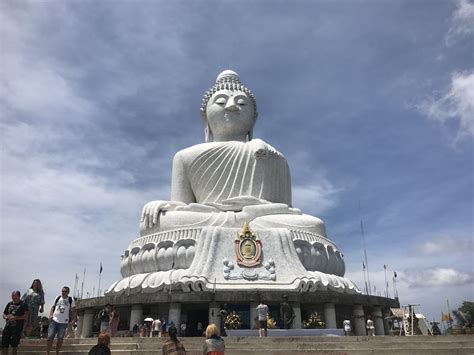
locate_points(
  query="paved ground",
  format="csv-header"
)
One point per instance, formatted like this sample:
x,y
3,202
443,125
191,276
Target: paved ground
x,y
385,345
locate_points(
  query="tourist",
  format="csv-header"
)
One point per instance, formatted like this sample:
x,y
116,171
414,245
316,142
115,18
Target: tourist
x,y
163,326
15,313
142,330
287,313
214,344
103,345
183,328
104,318
113,321
199,328
43,327
262,311
370,327
135,329
62,313
223,315
173,345
156,328
347,327
34,298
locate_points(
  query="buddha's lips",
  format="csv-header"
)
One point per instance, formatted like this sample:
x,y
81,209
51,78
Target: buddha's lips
x,y
230,115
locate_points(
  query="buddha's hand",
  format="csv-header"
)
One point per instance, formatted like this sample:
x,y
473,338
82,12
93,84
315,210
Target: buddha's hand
x,y
151,211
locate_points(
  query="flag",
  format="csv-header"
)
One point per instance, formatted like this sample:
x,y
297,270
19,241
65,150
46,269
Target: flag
x,y
385,266
100,271
394,274
363,265
444,317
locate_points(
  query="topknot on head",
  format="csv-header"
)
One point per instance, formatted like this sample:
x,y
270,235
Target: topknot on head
x,y
228,76
226,80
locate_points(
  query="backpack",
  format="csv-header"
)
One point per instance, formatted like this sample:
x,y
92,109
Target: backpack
x,y
70,305
57,299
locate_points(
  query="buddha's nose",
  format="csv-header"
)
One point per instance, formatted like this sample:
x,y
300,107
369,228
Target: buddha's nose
x,y
231,105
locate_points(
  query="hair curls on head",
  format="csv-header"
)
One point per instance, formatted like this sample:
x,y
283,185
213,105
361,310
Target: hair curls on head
x,y
227,80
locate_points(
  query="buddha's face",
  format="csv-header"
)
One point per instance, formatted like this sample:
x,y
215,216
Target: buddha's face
x,y
230,114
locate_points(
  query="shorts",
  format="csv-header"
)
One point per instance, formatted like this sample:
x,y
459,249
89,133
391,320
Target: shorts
x,y
11,336
56,328
104,327
263,324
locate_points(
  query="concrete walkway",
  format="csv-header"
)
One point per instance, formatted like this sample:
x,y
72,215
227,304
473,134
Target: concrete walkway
x,y
385,345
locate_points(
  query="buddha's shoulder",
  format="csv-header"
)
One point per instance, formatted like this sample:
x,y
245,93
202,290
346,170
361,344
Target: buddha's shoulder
x,y
195,150
255,145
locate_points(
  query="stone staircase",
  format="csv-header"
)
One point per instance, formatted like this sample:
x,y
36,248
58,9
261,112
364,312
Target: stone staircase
x,y
385,345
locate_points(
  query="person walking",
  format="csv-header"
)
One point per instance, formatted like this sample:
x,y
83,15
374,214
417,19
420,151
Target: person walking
x,y
104,317
182,328
103,345
214,344
113,321
347,327
173,346
370,327
34,298
262,311
156,328
15,313
62,313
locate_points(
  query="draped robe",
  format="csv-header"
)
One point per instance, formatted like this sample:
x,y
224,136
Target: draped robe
x,y
217,171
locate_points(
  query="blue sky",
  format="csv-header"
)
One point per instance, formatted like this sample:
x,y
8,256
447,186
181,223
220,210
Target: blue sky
x,y
370,101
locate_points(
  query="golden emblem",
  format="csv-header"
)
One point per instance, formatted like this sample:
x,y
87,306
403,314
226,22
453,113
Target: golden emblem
x,y
248,248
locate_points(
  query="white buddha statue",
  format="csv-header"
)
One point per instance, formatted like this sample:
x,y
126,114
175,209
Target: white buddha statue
x,y
231,172
218,187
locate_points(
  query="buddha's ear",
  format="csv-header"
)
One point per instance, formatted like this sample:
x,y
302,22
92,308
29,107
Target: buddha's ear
x,y
208,137
203,114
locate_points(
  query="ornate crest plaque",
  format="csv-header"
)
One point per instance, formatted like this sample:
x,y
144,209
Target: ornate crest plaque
x,y
248,248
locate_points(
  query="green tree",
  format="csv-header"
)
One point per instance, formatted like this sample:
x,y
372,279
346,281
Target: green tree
x,y
465,314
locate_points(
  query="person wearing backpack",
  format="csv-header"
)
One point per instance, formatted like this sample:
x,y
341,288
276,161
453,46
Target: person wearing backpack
x,y
104,318
62,313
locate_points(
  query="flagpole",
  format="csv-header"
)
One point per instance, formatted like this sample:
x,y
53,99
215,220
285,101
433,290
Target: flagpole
x,y
365,255
386,283
100,274
450,324
76,280
365,280
395,291
82,286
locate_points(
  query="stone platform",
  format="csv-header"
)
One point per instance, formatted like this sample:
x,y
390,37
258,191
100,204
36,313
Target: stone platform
x,y
191,307
286,333
384,345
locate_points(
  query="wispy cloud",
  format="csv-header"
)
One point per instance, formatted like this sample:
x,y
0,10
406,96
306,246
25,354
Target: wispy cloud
x,y
446,246
456,104
462,22
318,197
437,277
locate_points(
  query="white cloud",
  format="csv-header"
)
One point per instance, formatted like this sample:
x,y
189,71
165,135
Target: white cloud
x,y
317,197
446,245
457,104
437,277
462,22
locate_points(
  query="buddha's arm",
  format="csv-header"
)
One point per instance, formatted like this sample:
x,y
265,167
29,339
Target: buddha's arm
x,y
180,187
181,194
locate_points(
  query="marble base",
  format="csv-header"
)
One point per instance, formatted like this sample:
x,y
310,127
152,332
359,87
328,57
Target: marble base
x,y
204,259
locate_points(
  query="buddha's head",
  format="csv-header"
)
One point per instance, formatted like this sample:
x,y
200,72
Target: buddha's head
x,y
228,109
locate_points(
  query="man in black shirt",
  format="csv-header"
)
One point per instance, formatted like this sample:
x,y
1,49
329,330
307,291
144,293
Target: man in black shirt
x,y
14,314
